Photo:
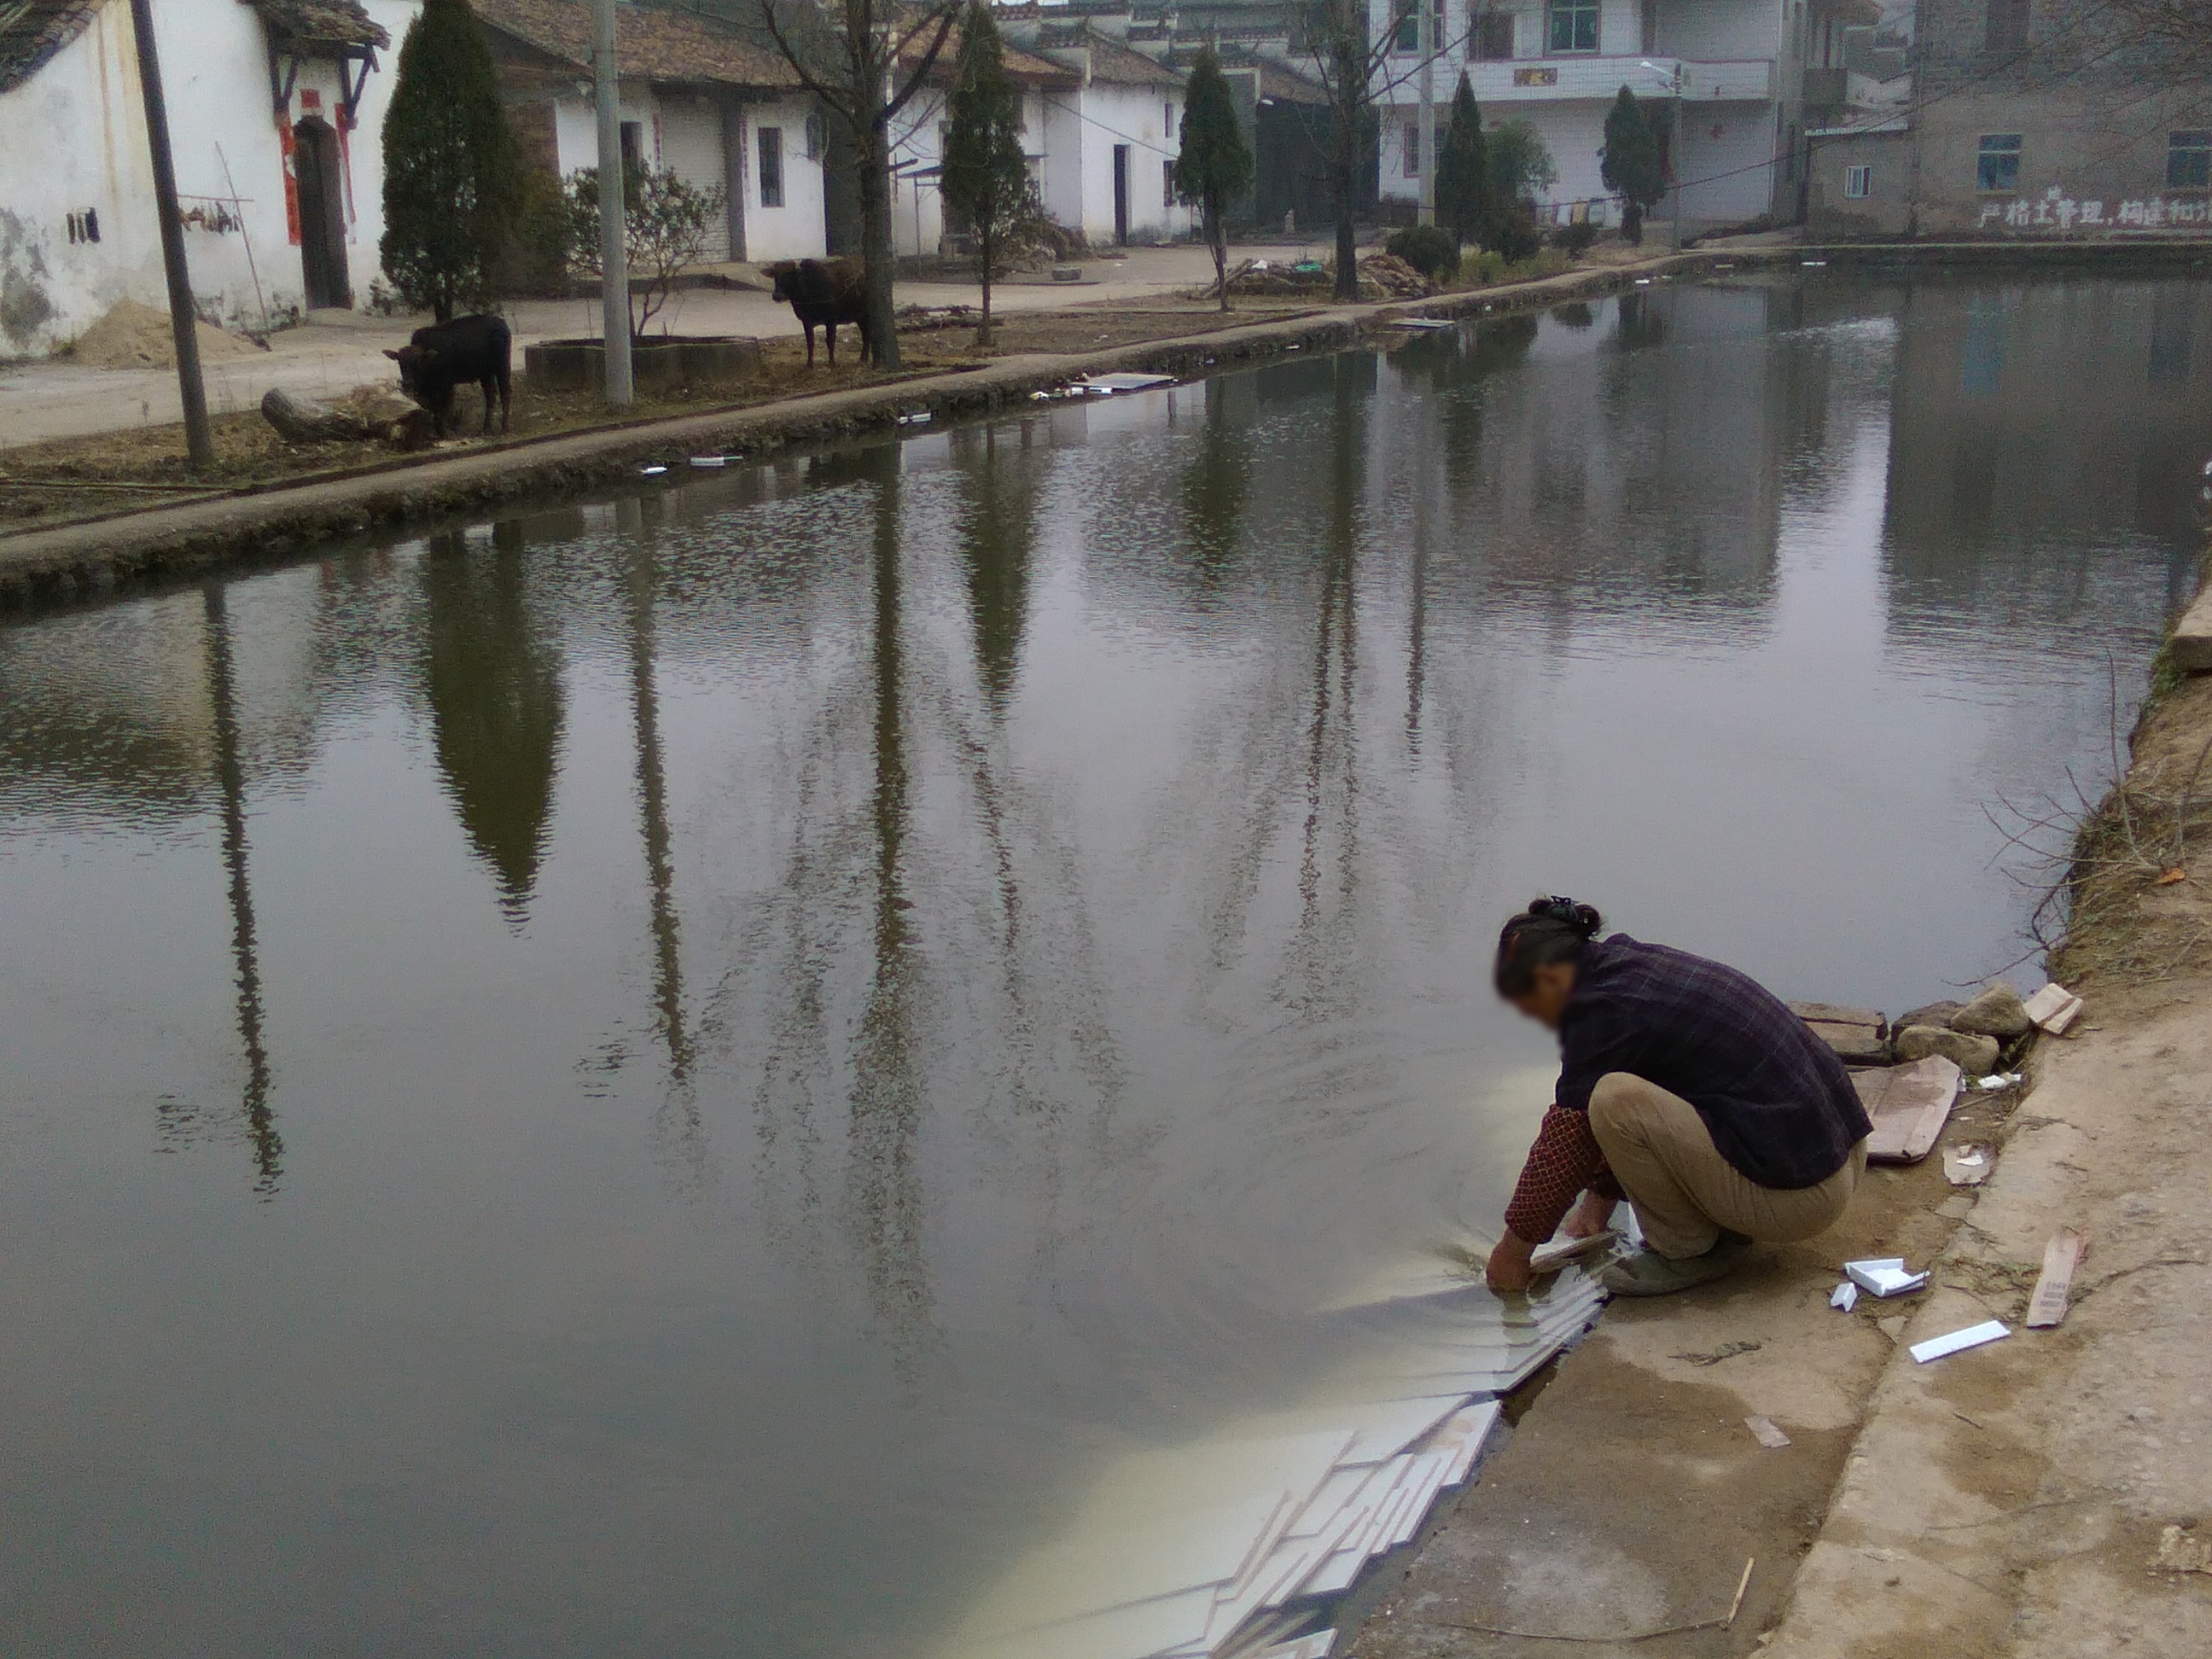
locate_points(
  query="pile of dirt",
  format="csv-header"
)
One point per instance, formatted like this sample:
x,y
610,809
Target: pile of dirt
x,y
133,336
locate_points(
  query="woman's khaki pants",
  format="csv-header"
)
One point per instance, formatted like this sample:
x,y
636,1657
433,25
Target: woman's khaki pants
x,y
1685,1192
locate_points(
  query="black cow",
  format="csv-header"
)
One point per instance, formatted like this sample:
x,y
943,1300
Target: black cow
x,y
827,292
446,355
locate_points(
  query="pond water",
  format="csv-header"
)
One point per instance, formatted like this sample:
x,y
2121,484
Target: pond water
x,y
678,1074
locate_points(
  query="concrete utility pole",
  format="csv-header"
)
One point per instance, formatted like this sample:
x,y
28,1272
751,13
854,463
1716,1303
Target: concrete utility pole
x,y
183,317
1426,44
613,245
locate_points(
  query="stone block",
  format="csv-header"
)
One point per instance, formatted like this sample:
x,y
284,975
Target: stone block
x,y
1997,1011
2191,645
1935,1013
1971,1054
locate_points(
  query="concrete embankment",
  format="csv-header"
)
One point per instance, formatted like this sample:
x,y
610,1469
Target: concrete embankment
x,y
174,542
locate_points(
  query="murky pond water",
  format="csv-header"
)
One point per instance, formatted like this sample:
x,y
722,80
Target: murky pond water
x,y
676,1075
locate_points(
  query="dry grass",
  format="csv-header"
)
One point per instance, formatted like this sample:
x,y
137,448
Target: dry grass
x,y
2123,900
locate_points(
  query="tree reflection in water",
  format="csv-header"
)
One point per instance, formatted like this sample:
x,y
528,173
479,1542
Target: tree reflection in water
x,y
230,773
492,680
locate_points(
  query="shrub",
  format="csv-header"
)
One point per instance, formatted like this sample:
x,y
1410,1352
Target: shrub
x,y
451,174
1574,241
537,260
1429,249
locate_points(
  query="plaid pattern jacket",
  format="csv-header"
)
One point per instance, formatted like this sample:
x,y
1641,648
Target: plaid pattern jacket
x,y
1777,1103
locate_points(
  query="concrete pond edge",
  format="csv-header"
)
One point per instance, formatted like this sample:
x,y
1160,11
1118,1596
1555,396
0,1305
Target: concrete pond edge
x,y
64,564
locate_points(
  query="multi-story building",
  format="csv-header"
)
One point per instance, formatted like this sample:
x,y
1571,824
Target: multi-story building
x,y
2036,118
1728,84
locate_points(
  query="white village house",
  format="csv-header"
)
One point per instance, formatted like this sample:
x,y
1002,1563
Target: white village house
x,y
1728,76
1111,139
275,109
697,99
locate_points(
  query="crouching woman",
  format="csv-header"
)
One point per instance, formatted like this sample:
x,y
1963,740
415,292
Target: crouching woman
x,y
1685,1088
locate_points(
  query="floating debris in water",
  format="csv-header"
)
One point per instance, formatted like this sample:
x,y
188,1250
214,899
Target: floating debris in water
x,y
652,471
706,461
1764,1431
918,417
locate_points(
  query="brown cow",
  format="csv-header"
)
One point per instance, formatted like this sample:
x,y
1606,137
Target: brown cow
x,y
826,292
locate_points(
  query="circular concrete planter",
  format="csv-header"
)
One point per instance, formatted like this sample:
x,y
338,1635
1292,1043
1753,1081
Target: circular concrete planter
x,y
661,363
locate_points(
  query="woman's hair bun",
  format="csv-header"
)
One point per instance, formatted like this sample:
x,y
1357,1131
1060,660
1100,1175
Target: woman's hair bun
x,y
1582,918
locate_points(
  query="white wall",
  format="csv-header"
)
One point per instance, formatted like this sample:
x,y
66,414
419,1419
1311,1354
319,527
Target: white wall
x,y
1145,119
1718,30
1731,145
684,132
797,230
215,71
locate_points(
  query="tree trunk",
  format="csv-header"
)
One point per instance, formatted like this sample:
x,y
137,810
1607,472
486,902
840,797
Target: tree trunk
x,y
1347,244
875,159
1217,242
983,240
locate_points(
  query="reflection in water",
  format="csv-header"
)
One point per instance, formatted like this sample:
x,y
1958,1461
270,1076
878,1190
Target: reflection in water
x,y
993,833
494,684
230,773
885,1189
680,1110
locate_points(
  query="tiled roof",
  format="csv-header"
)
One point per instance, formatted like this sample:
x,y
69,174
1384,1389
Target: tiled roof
x,y
1110,61
331,22
651,43
32,31
1024,69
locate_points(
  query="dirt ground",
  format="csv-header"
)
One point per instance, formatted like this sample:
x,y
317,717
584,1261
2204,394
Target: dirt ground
x,y
61,481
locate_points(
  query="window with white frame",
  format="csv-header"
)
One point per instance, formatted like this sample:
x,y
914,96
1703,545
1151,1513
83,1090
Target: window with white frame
x,y
1570,26
1996,162
1407,37
2189,160
1858,182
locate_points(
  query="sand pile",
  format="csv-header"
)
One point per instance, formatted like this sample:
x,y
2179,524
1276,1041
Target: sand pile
x,y
135,335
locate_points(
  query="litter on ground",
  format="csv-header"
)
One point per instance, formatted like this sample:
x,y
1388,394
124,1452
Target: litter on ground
x,y
2046,1307
1957,1341
1764,1431
1885,1276
1967,1166
1844,1295
2054,1008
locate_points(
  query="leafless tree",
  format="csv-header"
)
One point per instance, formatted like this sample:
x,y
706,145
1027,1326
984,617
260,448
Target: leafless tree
x,y
1351,62
866,60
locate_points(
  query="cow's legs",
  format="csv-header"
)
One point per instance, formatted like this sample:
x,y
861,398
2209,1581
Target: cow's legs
x,y
830,329
810,343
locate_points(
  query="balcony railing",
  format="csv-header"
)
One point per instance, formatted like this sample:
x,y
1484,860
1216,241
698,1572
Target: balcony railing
x,y
1533,80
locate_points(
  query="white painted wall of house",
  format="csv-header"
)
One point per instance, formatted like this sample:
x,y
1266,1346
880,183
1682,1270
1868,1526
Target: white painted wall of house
x,y
215,71
1146,118
685,133
797,230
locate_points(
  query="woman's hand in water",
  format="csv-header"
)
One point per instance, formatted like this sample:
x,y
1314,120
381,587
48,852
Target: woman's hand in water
x,y
1591,1217
1508,1269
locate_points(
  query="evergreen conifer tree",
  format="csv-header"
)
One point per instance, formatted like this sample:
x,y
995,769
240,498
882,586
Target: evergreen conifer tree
x,y
1463,190
451,179
986,178
1629,163
1215,166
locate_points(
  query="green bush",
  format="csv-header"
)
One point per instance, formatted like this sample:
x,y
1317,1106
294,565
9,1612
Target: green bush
x,y
1574,241
1429,249
535,262
1480,268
